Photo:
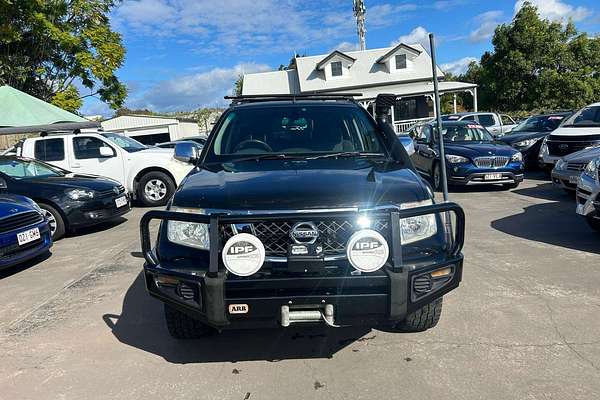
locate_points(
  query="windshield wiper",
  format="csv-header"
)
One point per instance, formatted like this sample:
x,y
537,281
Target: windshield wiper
x,y
266,157
346,154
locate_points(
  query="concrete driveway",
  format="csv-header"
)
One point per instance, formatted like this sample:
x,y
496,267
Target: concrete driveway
x,y
523,325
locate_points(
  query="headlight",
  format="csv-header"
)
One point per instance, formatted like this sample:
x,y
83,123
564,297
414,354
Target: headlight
x,y
525,143
413,229
80,194
453,159
189,234
517,157
561,165
591,169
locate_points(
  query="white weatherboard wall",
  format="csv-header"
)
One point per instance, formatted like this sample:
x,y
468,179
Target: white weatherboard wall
x,y
140,125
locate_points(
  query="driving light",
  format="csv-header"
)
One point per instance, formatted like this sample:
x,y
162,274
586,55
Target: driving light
x,y
413,229
453,159
80,194
189,234
517,157
561,165
525,143
591,169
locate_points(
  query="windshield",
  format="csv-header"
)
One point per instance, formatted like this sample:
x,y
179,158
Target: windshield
x,y
23,169
586,117
297,130
126,143
466,133
539,123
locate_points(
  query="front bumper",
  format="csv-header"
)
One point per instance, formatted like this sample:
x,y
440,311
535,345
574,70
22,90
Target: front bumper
x,y
96,211
471,175
11,253
368,299
565,179
588,197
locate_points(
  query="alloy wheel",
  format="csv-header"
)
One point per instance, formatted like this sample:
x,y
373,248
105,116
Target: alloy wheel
x,y
155,189
51,221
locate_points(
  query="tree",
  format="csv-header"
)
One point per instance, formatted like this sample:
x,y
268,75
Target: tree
x,y
54,49
238,85
537,65
203,117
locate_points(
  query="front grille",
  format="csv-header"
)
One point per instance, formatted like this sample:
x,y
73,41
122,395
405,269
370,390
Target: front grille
x,y
491,162
102,194
566,144
333,234
576,166
10,251
20,220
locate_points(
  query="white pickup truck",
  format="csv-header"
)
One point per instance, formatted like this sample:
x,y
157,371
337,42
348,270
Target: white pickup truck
x,y
497,124
150,174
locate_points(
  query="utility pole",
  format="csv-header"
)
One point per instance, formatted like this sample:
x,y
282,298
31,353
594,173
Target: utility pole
x,y
360,12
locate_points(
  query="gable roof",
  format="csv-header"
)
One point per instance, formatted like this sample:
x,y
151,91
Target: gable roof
x,y
321,64
390,53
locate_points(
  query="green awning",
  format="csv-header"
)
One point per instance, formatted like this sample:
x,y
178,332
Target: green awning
x,y
20,110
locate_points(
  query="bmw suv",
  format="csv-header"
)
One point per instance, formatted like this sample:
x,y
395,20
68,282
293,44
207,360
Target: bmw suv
x,y
302,210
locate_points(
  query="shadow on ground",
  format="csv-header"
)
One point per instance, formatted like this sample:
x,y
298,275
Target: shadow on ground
x,y
7,272
141,325
101,227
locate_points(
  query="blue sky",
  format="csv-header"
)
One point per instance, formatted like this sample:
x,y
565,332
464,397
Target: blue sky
x,y
185,54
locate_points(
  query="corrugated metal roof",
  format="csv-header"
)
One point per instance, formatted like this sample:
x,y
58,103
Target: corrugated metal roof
x,y
136,121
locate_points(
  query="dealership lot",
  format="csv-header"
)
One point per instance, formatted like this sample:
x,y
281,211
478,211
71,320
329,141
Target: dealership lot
x,y
523,324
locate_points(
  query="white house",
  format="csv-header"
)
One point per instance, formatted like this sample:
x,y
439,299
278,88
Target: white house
x,y
403,70
150,129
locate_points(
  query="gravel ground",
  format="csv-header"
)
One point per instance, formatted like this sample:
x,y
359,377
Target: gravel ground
x,y
523,325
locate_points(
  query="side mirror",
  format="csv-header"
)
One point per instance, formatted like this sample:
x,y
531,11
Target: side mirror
x,y
106,151
3,185
186,152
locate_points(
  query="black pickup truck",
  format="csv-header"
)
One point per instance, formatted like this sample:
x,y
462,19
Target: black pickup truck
x,y
302,210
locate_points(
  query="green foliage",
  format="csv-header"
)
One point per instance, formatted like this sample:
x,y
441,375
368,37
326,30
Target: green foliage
x,y
537,65
48,46
238,85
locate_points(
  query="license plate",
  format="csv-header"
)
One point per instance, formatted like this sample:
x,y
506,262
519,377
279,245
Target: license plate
x,y
573,179
492,177
121,201
28,236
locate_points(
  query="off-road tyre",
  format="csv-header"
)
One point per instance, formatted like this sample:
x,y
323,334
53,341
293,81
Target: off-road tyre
x,y
182,326
422,319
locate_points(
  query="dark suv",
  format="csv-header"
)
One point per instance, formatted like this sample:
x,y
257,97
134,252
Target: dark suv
x,y
302,210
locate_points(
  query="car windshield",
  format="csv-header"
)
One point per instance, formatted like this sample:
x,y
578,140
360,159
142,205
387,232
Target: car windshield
x,y
538,123
586,117
23,169
126,143
466,133
297,131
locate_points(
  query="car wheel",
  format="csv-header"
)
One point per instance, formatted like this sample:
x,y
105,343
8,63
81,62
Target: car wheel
x,y
155,189
422,319
55,221
182,326
436,177
594,222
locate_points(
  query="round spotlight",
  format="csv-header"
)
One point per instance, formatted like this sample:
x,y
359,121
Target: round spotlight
x,y
367,250
243,254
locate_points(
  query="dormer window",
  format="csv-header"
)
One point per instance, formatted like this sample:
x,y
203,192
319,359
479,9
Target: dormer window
x,y
336,68
400,61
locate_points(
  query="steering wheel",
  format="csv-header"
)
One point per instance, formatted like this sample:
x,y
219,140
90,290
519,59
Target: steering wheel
x,y
253,143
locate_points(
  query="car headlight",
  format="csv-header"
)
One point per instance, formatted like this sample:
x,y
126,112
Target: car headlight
x,y
454,159
413,229
517,157
80,194
525,143
35,206
591,169
189,234
560,165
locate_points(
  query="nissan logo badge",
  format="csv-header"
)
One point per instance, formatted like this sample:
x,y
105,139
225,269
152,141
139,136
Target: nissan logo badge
x,y
304,233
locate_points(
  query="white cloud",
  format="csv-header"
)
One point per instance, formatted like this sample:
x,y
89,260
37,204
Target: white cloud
x,y
556,10
192,91
419,35
486,25
346,46
458,67
386,14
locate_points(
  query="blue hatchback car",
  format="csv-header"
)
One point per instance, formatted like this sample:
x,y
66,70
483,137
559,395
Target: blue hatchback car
x,y
473,156
24,232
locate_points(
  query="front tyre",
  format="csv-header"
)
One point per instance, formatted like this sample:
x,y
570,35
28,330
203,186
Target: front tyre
x,y
55,221
436,177
422,319
155,189
182,326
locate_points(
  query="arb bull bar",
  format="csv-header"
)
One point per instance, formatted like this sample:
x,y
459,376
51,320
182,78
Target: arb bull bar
x,y
212,283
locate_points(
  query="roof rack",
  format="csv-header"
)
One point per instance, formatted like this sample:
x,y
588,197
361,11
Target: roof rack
x,y
293,97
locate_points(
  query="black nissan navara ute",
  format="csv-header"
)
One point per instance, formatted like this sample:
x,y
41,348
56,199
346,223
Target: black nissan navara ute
x,y
302,210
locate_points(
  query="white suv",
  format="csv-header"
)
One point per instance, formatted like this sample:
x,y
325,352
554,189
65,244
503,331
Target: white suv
x,y
150,174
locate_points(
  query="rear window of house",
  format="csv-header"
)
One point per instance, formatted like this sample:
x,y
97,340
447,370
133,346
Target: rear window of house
x,y
50,149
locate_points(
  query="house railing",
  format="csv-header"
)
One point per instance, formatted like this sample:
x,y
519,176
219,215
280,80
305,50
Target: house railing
x,y
403,126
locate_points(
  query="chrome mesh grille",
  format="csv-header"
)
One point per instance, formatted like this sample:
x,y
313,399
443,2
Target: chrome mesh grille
x,y
491,162
275,235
